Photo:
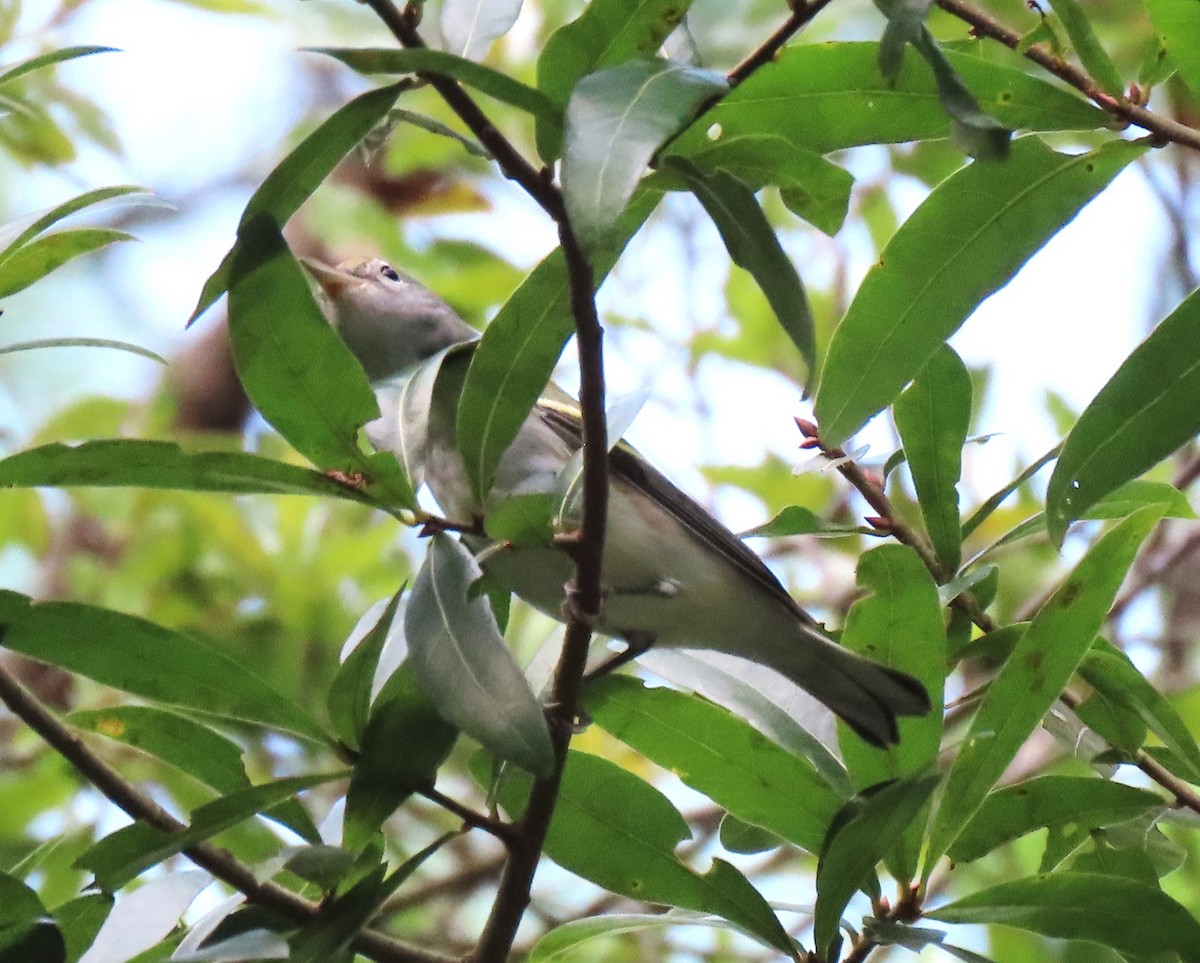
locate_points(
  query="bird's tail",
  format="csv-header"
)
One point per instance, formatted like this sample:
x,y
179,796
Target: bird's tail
x,y
865,695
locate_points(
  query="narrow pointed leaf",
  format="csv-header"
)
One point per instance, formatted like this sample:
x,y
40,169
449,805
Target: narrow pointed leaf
x,y
42,343
121,856
463,665
66,209
1149,408
718,754
145,916
148,660
331,931
1085,906
1081,802
423,61
966,241
607,33
195,748
899,624
300,173
975,132
1087,47
159,464
857,847
1030,681
612,828
402,746
616,121
828,97
558,943
470,26
812,187
932,416
753,245
514,360
349,699
296,370
47,59
51,251
1111,673
1177,25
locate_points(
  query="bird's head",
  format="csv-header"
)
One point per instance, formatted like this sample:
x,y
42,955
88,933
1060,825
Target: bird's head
x,y
390,321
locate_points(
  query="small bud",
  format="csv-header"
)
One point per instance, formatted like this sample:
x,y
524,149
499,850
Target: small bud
x,y
807,428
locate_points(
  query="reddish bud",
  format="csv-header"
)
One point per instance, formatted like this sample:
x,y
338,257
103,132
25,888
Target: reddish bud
x,y
807,428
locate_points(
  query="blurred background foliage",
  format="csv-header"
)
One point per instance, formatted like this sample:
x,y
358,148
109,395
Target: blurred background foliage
x,y
206,98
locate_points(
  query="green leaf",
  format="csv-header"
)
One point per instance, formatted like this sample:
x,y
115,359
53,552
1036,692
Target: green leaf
x,y
607,33
1177,24
612,828
984,511
524,520
47,59
1128,916
48,253
933,415
349,699
830,96
148,660
738,836
906,21
300,173
797,520
1110,672
469,26
1079,802
855,847
80,919
424,61
160,464
41,222
744,690
121,856
1091,54
977,133
1030,681
295,368
812,187
404,743
899,624
82,343
1150,407
616,120
967,240
752,244
718,754
463,665
561,940
330,932
512,364
190,746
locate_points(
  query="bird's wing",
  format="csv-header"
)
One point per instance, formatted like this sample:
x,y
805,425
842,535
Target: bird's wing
x,y
627,465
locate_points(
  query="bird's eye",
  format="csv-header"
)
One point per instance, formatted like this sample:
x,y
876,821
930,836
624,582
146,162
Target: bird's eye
x,y
390,272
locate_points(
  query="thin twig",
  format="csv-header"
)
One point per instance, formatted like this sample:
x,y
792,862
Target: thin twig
x,y
1164,128
217,861
501,830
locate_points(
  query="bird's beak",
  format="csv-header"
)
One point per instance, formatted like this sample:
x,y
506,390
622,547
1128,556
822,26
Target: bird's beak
x,y
333,280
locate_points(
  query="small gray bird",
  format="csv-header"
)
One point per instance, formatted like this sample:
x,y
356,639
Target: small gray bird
x,y
674,575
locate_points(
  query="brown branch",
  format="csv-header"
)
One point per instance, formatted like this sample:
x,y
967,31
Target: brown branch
x,y
217,861
1164,128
